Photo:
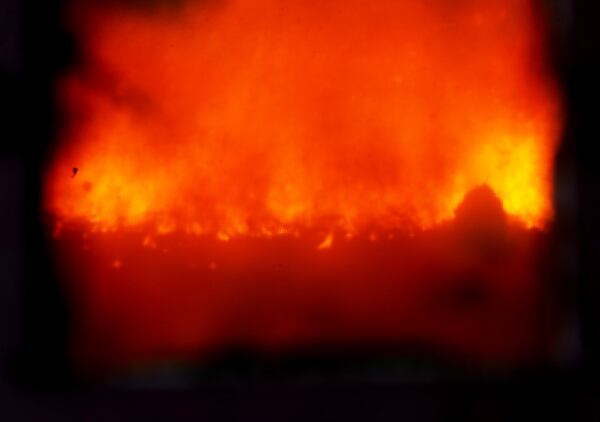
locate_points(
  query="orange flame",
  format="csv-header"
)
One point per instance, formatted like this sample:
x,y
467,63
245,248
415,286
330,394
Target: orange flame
x,y
262,118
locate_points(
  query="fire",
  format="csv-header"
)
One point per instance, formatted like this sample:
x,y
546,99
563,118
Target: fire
x,y
268,175
247,117
327,242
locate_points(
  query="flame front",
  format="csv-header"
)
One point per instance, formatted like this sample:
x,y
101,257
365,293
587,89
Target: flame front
x,y
261,117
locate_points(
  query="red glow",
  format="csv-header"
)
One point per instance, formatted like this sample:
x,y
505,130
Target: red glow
x,y
217,142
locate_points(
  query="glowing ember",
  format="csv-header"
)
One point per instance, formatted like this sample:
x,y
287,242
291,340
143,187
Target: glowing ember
x,y
253,118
